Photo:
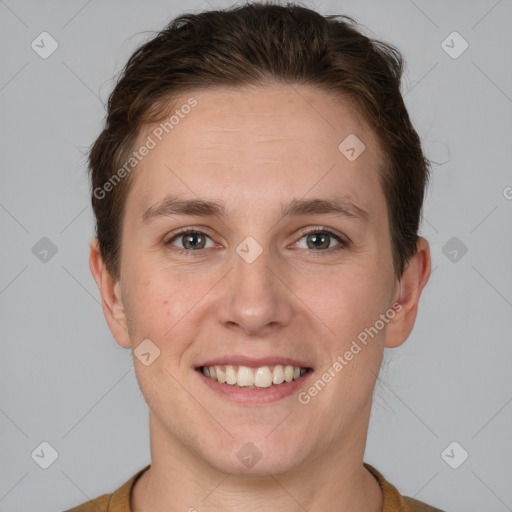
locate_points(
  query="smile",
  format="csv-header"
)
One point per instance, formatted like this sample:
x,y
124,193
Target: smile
x,y
252,377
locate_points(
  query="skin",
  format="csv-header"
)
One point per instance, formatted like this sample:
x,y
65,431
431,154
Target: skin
x,y
254,149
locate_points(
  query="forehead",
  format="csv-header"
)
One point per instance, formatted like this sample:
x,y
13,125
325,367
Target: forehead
x,y
250,146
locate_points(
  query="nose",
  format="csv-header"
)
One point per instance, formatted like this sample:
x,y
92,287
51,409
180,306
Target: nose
x,y
255,297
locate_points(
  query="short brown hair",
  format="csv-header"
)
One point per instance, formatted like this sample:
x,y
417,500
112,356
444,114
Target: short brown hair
x,y
257,44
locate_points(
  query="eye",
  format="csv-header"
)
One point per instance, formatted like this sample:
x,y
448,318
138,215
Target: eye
x,y
320,238
192,239
317,239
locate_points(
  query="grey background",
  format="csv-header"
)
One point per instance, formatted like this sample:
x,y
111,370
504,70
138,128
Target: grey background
x,y
64,380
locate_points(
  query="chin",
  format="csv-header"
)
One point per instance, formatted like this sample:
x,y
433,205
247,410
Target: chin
x,y
262,468
257,458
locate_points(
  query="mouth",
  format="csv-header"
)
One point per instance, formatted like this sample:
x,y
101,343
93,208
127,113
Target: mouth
x,y
254,377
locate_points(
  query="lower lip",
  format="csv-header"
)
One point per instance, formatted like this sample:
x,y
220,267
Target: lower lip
x,y
254,396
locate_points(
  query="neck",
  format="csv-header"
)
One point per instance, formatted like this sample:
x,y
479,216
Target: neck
x,y
179,480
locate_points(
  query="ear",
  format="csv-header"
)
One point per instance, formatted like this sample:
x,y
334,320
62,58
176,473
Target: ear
x,y
112,303
412,282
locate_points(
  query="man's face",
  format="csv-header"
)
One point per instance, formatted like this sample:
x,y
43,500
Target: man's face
x,y
250,287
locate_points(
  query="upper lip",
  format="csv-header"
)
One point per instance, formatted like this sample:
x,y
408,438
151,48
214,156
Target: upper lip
x,y
254,362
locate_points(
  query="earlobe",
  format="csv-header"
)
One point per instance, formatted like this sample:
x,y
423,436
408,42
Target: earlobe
x,y
111,299
412,282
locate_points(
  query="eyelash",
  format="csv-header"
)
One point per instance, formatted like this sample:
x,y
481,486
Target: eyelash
x,y
343,244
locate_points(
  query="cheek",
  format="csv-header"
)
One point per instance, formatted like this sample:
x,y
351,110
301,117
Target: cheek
x,y
356,296
163,304
356,301
355,350
157,295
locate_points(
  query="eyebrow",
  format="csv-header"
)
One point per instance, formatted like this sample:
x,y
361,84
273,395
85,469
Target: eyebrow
x,y
172,206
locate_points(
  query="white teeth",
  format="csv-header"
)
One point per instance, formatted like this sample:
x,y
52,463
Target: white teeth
x,y
278,377
245,376
262,377
288,373
221,375
230,375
